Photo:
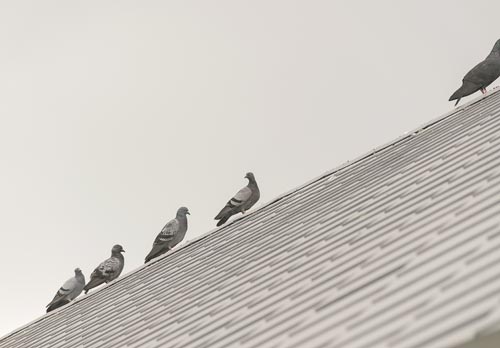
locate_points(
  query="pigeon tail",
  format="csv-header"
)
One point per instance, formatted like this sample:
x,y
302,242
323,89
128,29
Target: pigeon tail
x,y
92,284
224,212
158,249
223,220
149,257
55,305
466,89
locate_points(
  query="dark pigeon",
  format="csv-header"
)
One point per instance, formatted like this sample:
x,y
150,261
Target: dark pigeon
x,y
171,235
68,292
481,76
108,269
241,202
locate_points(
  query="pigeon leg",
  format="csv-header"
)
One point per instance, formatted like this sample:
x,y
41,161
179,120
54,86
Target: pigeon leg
x,y
483,90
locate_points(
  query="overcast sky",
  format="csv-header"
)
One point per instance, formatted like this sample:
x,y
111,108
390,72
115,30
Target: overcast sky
x,y
115,113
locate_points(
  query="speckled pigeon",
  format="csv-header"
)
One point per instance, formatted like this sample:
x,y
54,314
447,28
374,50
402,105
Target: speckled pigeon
x,y
241,202
171,235
69,291
108,269
481,76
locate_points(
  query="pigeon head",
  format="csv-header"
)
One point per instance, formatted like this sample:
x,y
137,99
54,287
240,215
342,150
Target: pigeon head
x,y
250,176
182,211
117,249
78,271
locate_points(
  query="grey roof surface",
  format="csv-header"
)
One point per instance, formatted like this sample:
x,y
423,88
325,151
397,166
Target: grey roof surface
x,y
490,341
400,248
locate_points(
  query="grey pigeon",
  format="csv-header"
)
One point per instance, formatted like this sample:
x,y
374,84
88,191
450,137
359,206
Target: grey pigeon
x,y
108,269
241,202
69,291
171,235
481,76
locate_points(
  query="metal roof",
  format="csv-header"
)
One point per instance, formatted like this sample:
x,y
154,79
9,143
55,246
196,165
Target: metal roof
x,y
399,248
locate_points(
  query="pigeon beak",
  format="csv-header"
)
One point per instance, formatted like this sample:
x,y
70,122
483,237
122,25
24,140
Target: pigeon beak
x,y
188,213
123,251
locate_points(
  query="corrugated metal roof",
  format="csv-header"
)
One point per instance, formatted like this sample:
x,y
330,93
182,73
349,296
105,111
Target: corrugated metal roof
x,y
399,248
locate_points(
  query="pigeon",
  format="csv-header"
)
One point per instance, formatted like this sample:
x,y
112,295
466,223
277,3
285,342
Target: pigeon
x,y
481,76
241,202
108,269
69,291
171,235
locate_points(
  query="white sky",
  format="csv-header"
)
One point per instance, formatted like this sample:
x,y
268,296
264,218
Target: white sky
x,y
115,113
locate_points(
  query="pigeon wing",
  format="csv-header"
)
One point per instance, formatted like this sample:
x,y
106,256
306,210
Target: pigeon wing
x,y
107,271
239,199
168,232
109,268
64,291
241,196
253,198
484,73
164,239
